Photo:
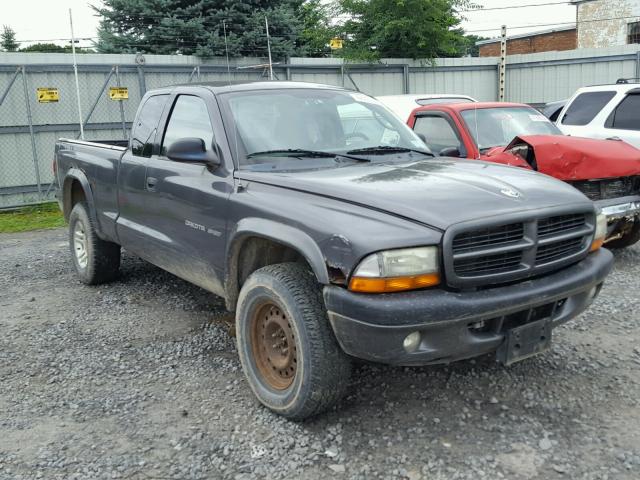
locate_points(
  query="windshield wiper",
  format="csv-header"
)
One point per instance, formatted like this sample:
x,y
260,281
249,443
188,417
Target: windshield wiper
x,y
384,149
301,152
294,152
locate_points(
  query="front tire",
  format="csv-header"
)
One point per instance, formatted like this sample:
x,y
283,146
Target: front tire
x,y
288,352
96,260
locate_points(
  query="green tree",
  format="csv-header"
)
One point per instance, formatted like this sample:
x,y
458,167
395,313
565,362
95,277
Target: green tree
x,y
8,39
317,27
53,48
466,45
196,27
419,29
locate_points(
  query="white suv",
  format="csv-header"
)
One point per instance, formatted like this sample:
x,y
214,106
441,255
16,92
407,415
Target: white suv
x,y
604,111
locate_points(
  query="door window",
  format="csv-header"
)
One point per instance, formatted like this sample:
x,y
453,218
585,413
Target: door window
x,y
626,116
144,132
189,118
438,132
585,107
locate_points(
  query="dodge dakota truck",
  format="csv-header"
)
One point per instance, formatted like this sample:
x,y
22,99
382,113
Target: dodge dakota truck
x,y
606,171
327,242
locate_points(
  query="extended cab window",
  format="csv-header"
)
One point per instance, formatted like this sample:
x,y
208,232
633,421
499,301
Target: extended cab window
x,y
438,132
144,132
585,107
189,118
626,116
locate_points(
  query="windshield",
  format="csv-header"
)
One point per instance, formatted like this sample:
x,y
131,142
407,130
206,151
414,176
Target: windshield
x,y
496,127
284,125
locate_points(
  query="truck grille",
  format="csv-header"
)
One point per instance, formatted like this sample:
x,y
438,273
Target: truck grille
x,y
609,187
510,251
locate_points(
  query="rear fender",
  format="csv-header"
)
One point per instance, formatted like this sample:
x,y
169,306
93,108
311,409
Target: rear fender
x,y
74,174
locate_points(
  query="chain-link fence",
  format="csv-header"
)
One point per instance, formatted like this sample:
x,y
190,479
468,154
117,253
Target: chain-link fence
x,y
38,101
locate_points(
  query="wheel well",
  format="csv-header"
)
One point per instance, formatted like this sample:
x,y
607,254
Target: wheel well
x,y
73,194
252,254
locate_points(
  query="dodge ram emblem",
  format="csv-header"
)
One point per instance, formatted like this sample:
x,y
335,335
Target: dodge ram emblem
x,y
510,192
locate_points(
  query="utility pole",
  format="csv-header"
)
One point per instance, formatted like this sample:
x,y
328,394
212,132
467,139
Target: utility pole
x,y
226,51
75,72
266,24
502,73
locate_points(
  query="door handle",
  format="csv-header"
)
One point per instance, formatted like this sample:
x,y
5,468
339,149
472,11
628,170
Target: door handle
x,y
151,184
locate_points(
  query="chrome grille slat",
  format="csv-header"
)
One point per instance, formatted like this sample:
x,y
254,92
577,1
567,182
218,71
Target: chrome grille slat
x,y
568,235
485,255
493,264
553,251
503,235
491,250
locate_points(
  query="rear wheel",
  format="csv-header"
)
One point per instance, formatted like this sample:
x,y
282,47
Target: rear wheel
x,y
96,261
631,236
289,354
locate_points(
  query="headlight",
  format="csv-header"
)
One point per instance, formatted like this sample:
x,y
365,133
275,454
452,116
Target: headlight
x,y
396,270
601,232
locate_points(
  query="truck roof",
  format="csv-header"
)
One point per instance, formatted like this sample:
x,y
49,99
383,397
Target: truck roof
x,y
469,106
249,85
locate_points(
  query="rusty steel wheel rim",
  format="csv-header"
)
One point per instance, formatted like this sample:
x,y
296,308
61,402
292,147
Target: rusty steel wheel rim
x,y
273,345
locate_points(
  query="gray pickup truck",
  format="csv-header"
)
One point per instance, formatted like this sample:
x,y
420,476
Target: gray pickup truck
x,y
332,233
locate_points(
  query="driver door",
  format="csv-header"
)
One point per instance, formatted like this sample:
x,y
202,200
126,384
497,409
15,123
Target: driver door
x,y
187,202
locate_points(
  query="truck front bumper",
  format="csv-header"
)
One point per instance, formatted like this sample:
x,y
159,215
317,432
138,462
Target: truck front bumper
x,y
458,325
619,208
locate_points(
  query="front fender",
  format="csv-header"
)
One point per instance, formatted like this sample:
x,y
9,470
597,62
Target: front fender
x,y
282,233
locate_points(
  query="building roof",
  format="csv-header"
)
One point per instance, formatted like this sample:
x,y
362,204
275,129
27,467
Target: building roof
x,y
527,35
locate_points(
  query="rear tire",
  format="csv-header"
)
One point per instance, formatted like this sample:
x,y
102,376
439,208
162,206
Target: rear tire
x,y
629,238
288,351
96,261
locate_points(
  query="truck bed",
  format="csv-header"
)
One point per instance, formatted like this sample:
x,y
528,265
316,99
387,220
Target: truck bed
x,y
98,161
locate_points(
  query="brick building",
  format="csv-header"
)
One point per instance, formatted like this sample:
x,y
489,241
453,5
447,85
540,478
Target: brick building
x,y
606,23
564,38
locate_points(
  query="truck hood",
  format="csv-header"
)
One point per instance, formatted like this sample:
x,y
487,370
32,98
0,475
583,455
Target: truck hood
x,y
574,158
437,192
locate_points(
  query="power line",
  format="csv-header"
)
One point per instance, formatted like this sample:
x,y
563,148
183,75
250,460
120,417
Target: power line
x,y
485,9
55,39
553,24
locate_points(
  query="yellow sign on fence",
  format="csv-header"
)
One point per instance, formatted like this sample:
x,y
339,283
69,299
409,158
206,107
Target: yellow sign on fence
x,y
118,93
335,43
48,95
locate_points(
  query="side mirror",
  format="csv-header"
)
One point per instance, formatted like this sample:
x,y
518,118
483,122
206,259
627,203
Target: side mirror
x,y
450,152
192,150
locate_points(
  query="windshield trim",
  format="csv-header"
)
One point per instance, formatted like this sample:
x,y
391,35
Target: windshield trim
x,y
234,138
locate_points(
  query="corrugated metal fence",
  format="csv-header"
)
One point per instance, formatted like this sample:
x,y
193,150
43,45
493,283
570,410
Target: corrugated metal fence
x,y
29,128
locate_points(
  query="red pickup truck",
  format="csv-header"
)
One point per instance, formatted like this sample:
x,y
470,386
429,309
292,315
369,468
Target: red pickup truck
x,y
606,171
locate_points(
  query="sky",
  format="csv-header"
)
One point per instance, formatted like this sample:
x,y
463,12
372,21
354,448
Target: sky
x,y
49,19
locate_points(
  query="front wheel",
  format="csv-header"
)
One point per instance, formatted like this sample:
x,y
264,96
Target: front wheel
x,y
289,354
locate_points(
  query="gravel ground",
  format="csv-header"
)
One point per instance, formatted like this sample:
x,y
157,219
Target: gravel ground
x,y
140,379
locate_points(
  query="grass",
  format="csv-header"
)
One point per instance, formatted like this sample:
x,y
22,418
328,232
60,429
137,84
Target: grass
x,y
36,217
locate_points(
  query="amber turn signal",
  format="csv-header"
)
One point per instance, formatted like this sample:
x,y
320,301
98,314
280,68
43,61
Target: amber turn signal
x,y
596,244
600,233
393,284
